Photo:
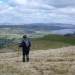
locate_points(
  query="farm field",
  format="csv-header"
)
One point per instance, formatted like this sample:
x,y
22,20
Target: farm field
x,y
13,35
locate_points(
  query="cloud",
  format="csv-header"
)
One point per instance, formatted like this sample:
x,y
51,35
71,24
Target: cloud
x,y
54,3
61,3
30,4
30,11
3,6
17,2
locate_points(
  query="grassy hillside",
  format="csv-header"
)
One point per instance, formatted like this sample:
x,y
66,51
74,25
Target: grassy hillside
x,y
52,41
46,42
59,38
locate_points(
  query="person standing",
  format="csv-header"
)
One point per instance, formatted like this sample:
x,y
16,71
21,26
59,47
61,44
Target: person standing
x,y
25,44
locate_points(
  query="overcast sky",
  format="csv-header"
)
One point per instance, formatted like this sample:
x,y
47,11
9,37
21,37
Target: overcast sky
x,y
37,11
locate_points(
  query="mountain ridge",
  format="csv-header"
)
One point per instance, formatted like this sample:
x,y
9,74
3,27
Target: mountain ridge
x,y
51,26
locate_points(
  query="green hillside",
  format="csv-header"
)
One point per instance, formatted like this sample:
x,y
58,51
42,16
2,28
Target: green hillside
x,y
52,41
59,38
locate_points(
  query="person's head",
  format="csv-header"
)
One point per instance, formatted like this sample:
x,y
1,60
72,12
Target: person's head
x,y
24,36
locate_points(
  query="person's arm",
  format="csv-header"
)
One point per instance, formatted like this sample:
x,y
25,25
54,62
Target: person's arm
x,y
21,45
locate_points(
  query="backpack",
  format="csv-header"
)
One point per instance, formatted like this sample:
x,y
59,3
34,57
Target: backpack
x,y
26,43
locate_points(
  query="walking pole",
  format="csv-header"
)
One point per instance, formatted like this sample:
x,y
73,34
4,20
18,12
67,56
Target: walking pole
x,y
18,51
17,54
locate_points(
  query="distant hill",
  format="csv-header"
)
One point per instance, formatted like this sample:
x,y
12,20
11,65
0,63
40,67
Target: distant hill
x,y
40,26
70,35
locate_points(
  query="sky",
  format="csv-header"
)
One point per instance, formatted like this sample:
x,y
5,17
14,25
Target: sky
x,y
37,11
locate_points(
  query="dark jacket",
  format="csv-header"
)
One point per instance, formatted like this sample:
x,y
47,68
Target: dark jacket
x,y
24,46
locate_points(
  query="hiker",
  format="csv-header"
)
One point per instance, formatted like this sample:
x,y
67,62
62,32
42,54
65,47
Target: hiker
x,y
25,44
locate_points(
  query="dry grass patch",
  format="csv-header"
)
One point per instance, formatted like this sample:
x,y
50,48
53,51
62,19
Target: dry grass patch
x,y
60,61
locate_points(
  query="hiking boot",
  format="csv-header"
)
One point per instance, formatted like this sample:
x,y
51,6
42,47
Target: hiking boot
x,y
27,59
23,58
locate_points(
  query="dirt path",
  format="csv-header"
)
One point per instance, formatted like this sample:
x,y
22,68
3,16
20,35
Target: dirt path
x,y
59,61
